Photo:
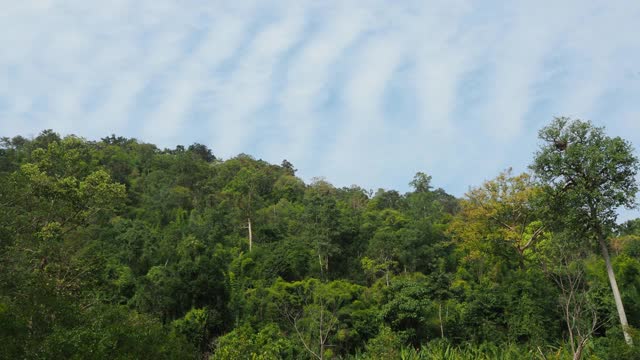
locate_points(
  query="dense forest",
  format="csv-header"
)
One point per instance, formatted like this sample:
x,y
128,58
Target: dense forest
x,y
117,249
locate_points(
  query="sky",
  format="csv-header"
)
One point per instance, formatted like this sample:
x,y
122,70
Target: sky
x,y
359,92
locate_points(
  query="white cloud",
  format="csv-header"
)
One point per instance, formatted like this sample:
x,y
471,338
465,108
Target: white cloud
x,y
321,78
248,88
190,79
362,133
308,80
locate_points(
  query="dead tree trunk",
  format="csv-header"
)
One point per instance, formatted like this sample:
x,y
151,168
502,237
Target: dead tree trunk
x,y
250,234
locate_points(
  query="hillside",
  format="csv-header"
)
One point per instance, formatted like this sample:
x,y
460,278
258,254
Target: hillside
x,y
114,248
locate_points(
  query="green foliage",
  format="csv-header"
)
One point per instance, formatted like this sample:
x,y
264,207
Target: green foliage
x,y
197,326
407,307
114,333
385,345
613,347
117,249
588,175
269,343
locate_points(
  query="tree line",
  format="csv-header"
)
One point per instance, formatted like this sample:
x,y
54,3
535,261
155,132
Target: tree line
x,y
119,249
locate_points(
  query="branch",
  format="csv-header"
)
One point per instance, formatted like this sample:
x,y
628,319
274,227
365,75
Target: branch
x,y
533,237
295,326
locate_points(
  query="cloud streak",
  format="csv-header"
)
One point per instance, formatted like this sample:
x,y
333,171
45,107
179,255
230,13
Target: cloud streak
x,y
358,92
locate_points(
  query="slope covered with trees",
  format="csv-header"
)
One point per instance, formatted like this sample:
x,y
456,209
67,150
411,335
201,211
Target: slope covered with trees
x,y
118,249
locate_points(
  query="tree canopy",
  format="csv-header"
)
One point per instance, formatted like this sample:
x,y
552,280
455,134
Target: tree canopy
x,y
116,248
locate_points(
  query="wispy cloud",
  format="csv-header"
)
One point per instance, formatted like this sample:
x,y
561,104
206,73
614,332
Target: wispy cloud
x,y
308,80
248,87
362,132
360,92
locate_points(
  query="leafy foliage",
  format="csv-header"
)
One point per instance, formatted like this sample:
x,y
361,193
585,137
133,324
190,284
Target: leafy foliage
x,y
118,249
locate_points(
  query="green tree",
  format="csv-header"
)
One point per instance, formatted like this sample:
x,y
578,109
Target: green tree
x,y
388,244
315,311
244,189
409,309
321,221
587,176
269,343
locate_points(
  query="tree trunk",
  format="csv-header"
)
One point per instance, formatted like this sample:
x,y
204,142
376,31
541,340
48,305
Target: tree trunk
x,y
521,259
321,264
250,234
320,332
616,292
440,317
578,354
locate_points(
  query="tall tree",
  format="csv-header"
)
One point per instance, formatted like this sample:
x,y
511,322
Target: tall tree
x,y
587,176
321,221
244,188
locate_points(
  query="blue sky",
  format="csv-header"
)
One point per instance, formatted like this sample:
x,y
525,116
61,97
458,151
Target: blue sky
x,y
360,92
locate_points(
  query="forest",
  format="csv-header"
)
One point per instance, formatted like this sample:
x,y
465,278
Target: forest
x,y
117,249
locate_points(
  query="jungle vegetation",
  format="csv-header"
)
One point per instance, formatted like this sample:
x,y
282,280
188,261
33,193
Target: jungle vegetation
x,y
117,249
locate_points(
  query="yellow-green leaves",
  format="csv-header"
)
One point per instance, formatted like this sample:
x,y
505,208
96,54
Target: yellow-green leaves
x,y
502,213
